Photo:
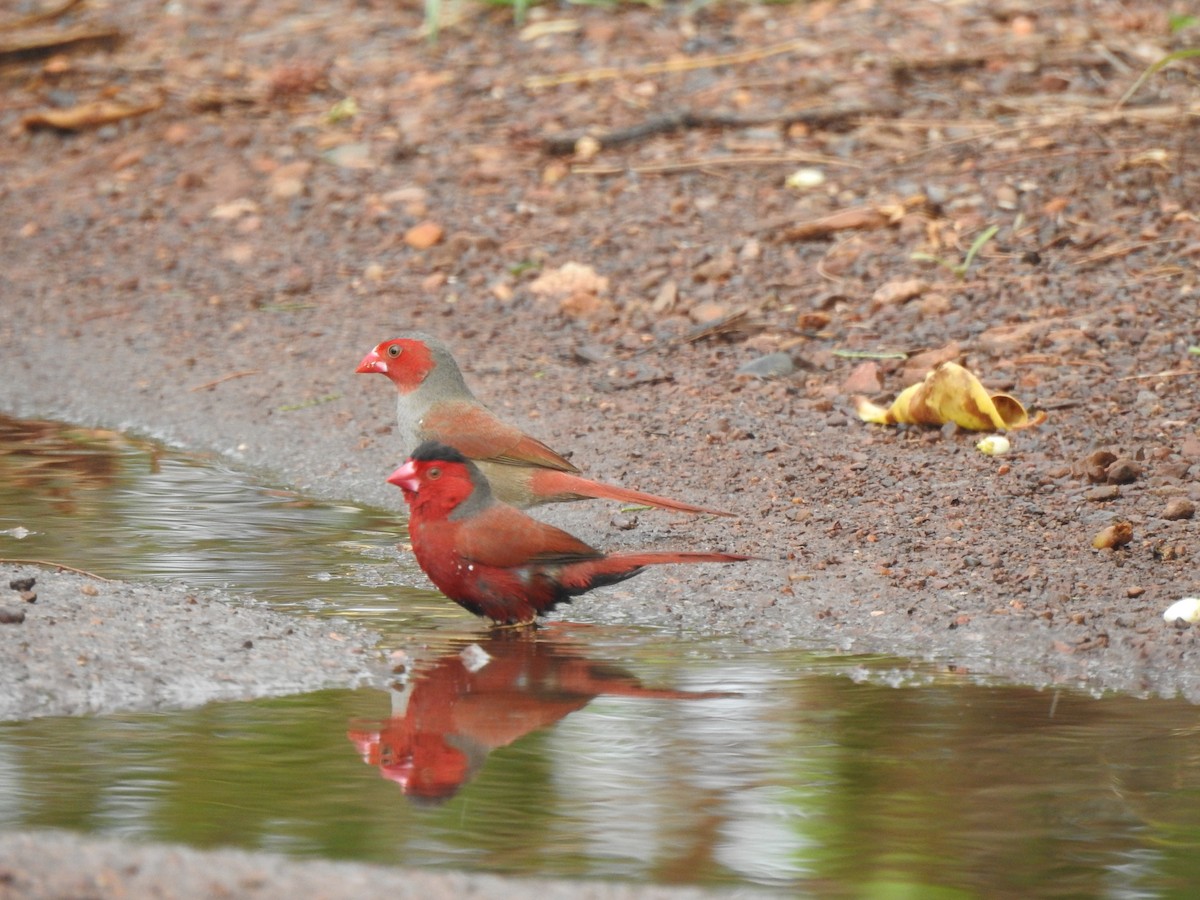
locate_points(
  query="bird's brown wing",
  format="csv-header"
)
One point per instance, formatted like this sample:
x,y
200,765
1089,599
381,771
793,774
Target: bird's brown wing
x,y
476,432
505,537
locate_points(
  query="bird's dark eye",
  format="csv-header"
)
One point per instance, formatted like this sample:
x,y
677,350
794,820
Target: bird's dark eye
x,y
435,473
394,350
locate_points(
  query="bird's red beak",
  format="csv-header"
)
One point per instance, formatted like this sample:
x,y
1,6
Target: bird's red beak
x,y
372,362
405,477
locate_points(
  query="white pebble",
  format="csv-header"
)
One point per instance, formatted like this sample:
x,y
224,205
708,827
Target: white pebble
x,y
994,445
1187,609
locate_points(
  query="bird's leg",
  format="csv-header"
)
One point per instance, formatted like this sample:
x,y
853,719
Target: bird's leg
x,y
505,626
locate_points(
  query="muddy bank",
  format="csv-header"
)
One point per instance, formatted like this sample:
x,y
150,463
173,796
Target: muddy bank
x,y
32,868
87,646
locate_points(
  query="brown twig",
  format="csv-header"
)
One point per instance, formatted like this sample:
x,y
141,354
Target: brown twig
x,y
223,379
717,162
44,46
1117,252
1062,120
673,65
60,566
903,67
817,117
1170,373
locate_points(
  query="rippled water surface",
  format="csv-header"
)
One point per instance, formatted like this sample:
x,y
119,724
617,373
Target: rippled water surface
x,y
582,750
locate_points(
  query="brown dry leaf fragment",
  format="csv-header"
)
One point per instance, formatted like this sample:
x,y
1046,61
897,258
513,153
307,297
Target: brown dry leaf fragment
x,y
857,218
813,321
1118,534
896,292
87,115
296,79
860,218
864,379
918,364
950,393
48,44
1010,338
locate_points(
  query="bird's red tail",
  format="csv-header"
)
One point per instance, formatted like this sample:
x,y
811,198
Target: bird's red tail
x,y
665,557
579,577
553,486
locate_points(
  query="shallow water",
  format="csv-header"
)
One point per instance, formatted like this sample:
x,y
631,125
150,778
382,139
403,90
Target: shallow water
x,y
590,751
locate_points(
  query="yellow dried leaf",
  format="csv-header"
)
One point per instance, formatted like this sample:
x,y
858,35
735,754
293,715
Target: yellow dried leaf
x,y
950,393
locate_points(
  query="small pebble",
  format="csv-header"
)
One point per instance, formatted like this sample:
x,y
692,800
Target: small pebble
x,y
1187,609
1179,508
773,365
10,616
28,596
22,584
1123,471
994,445
623,522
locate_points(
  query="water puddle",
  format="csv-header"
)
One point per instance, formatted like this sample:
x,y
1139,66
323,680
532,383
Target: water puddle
x,y
591,751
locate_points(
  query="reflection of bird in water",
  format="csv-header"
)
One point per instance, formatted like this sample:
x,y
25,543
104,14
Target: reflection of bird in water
x,y
484,695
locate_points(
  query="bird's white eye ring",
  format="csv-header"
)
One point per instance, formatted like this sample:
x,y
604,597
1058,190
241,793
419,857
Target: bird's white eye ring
x,y
394,350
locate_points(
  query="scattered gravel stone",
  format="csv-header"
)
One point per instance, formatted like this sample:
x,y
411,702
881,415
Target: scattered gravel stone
x,y
773,365
1179,508
1123,471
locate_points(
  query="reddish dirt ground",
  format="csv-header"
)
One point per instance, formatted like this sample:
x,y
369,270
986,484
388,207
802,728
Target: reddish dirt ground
x,y
315,177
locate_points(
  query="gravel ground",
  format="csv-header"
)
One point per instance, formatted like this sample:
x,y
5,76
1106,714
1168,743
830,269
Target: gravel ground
x,y
210,273
33,867
88,647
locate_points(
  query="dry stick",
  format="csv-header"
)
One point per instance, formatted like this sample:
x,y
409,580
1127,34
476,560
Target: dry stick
x,y
1069,118
677,65
44,46
223,379
1170,373
1124,250
46,562
819,116
715,163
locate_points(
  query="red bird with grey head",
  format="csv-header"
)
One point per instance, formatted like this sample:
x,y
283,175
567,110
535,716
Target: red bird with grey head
x,y
435,404
494,560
